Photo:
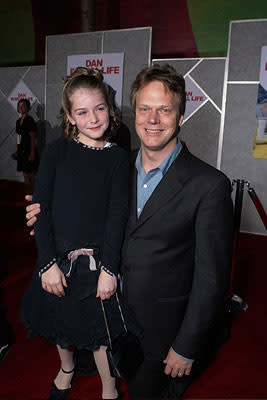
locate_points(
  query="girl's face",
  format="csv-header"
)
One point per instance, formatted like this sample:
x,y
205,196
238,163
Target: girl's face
x,y
22,108
89,112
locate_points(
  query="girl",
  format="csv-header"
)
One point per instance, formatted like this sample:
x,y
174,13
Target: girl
x,y
25,153
82,186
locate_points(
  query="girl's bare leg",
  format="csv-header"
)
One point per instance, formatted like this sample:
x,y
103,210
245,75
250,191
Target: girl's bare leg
x,y
109,390
62,380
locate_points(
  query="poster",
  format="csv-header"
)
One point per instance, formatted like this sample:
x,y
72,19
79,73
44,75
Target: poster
x,y
111,64
21,91
195,98
260,135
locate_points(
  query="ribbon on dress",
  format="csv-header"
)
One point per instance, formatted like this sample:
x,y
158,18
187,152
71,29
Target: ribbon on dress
x,y
74,254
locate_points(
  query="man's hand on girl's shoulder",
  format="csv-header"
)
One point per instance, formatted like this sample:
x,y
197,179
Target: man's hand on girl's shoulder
x,y
31,211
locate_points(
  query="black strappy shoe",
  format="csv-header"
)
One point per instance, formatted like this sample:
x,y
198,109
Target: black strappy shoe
x,y
60,394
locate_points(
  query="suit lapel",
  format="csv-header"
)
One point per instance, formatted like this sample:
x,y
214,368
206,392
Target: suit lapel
x,y
171,183
132,192
133,197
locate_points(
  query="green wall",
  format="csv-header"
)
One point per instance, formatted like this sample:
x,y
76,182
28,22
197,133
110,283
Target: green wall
x,y
209,18
210,21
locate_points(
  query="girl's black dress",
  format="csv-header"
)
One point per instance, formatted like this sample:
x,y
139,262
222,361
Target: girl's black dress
x,y
23,130
83,193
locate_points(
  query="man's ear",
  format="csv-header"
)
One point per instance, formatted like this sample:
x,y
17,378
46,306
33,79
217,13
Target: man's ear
x,y
180,121
71,120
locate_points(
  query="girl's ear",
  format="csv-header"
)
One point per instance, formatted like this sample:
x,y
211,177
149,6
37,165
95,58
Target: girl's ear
x,y
71,120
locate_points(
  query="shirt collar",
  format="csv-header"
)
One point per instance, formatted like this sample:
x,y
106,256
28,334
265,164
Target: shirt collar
x,y
165,164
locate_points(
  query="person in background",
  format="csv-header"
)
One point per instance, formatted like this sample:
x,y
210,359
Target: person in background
x,y
25,151
262,102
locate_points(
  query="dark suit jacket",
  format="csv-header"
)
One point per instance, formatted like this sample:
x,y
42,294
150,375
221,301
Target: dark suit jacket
x,y
176,257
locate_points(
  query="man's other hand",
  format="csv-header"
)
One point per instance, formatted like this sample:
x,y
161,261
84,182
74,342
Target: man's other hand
x,y
31,211
175,365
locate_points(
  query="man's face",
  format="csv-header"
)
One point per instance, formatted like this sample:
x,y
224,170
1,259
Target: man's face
x,y
157,117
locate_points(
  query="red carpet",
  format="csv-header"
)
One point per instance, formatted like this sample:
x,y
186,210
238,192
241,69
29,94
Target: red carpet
x,y
238,371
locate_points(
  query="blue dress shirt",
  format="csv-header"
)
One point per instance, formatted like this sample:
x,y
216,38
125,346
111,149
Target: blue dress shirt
x,y
147,182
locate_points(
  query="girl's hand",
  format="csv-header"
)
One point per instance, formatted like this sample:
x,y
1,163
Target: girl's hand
x,y
53,281
31,158
106,286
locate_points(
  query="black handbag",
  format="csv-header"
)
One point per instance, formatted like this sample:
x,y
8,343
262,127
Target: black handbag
x,y
124,353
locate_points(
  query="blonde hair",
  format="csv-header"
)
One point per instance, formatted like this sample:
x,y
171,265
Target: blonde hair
x,y
87,78
164,74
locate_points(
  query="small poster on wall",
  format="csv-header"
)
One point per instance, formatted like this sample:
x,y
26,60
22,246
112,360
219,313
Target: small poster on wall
x,y
20,91
260,136
111,65
195,98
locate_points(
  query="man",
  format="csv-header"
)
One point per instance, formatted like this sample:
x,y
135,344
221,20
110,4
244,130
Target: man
x,y
176,255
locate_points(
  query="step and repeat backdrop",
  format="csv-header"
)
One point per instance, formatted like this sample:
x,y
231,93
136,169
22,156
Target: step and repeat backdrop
x,y
225,122
240,155
17,83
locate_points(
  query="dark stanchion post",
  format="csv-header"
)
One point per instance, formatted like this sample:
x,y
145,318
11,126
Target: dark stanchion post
x,y
234,304
258,206
240,184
